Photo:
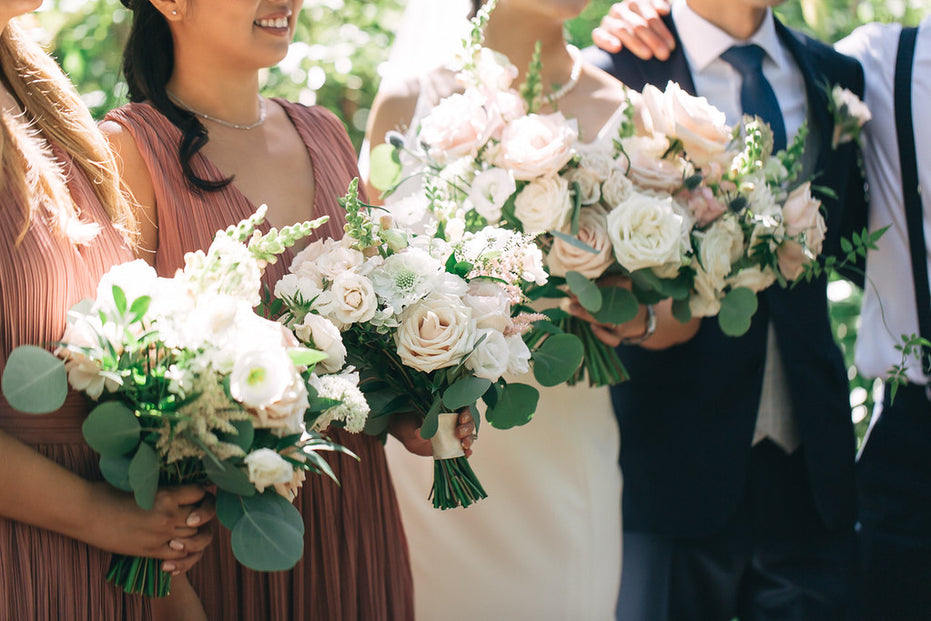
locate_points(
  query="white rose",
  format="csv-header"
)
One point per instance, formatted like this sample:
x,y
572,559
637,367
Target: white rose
x,y
458,126
646,233
701,127
652,112
320,333
267,468
135,278
721,246
324,259
518,355
490,191
435,333
597,161
752,278
353,300
589,184
537,145
292,287
564,257
490,304
544,205
616,188
490,357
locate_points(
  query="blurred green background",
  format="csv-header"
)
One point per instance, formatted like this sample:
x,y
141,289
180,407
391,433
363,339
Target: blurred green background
x,y
335,61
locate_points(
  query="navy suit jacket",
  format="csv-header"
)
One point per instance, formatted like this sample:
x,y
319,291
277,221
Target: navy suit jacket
x,y
688,414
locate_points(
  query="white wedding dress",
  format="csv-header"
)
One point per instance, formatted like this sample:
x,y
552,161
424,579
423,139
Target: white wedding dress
x,y
546,543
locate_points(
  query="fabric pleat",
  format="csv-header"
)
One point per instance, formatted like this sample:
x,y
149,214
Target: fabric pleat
x,y
45,576
355,563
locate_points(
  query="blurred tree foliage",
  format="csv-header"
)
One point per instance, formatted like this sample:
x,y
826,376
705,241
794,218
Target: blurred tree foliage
x,y
340,45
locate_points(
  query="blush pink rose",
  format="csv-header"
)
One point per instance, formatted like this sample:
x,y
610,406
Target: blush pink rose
x,y
537,145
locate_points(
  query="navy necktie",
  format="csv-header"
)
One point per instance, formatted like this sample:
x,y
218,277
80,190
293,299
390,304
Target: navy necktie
x,y
756,93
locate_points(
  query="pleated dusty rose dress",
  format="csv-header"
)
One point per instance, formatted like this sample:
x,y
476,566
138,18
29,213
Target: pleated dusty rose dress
x,y
355,564
45,576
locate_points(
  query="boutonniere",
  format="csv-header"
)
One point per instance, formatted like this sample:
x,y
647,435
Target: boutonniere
x,y
850,115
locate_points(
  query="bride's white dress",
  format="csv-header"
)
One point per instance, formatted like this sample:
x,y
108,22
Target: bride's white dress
x,y
546,543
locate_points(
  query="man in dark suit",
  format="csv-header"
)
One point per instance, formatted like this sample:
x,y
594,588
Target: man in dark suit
x,y
738,453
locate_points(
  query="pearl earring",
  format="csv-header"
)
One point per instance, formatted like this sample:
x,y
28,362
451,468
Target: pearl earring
x,y
174,12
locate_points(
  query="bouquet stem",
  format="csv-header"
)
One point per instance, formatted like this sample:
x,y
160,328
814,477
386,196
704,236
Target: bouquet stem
x,y
454,482
138,575
601,363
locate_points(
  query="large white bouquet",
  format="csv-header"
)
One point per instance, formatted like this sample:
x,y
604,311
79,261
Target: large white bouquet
x,y
432,324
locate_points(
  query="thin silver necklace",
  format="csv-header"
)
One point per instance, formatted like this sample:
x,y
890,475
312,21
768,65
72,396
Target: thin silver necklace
x,y
574,75
205,116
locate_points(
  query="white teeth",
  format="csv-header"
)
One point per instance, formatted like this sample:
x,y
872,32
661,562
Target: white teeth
x,y
281,22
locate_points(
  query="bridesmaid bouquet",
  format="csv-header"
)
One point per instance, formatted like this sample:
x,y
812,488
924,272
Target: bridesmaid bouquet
x,y
432,325
193,387
685,206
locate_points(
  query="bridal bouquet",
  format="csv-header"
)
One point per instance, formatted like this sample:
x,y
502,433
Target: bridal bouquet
x,y
685,206
193,387
431,324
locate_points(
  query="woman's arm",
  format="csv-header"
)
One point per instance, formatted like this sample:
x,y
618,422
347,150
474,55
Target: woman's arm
x,y
37,491
392,110
138,183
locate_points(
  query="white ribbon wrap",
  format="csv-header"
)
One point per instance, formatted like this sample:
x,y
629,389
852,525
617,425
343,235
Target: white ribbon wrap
x,y
446,444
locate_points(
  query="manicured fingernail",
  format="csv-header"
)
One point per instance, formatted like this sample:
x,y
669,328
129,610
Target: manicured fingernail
x,y
169,567
193,519
175,545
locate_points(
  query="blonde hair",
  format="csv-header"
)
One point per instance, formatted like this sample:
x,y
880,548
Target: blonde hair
x,y
53,114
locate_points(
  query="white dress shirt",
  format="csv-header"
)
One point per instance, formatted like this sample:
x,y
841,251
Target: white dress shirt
x,y
718,81
890,289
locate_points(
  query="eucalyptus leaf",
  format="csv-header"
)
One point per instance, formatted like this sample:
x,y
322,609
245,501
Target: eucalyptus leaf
x,y
229,477
619,305
557,359
573,241
115,471
465,392
269,535
585,290
515,406
244,436
682,311
431,421
112,429
737,309
143,476
229,508
34,381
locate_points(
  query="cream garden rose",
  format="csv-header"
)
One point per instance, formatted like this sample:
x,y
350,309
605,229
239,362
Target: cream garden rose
x,y
490,304
351,300
593,230
435,333
458,126
544,205
536,145
646,232
322,334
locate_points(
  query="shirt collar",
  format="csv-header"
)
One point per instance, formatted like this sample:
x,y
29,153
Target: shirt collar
x,y
703,42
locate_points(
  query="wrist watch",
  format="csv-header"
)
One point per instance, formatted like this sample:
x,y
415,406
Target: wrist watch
x,y
647,333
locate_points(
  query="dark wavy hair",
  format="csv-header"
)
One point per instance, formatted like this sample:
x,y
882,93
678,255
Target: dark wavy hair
x,y
148,61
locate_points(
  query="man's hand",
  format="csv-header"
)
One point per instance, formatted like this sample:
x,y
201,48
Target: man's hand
x,y
637,26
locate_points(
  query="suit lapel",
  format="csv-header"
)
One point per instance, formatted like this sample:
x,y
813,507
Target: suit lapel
x,y
815,90
677,65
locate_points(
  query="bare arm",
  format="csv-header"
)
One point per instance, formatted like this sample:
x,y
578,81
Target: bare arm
x,y
636,25
137,181
37,491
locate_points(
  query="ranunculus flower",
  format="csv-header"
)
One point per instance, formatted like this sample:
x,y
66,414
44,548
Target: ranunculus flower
x,y
588,182
456,127
490,357
646,232
320,333
536,145
564,257
267,468
617,187
490,304
544,205
490,190
352,300
435,333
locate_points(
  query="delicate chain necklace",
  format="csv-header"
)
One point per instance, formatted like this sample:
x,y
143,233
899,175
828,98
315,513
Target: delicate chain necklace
x,y
577,63
253,125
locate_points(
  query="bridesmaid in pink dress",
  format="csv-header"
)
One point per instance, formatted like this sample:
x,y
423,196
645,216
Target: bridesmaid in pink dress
x,y
59,192
200,150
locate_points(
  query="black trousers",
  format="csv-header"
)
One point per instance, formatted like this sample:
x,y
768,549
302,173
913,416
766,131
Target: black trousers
x,y
774,560
894,486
